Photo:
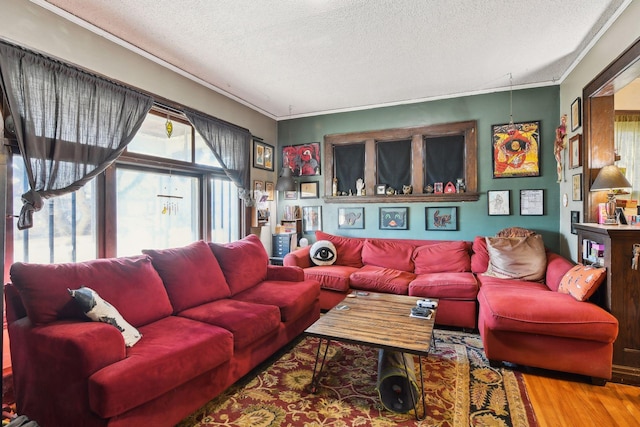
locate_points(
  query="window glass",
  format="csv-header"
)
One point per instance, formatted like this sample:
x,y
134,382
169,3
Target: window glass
x,y
155,210
204,155
444,159
349,164
64,230
224,211
152,139
394,163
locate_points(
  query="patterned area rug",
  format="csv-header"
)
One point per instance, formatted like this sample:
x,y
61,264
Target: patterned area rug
x,y
461,389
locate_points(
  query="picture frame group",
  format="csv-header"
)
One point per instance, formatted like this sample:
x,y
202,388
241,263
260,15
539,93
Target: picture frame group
x,y
262,155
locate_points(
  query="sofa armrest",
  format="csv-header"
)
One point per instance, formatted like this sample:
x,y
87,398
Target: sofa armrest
x,y
299,257
286,273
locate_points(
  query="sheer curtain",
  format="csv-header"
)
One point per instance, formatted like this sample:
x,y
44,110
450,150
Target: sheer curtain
x,y
627,146
230,145
70,125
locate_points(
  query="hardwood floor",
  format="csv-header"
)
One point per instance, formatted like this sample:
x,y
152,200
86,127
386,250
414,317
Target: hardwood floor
x,y
572,401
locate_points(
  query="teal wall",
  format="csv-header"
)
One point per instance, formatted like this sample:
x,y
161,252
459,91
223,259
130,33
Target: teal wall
x,y
473,220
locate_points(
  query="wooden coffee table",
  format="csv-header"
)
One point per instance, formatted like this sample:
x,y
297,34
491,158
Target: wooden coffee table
x,y
376,320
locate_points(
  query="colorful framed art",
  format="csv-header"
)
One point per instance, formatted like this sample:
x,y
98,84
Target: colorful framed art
x,y
303,159
516,152
262,155
443,218
394,218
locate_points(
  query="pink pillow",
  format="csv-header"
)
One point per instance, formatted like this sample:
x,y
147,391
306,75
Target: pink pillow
x,y
582,281
243,262
446,257
480,256
388,253
130,284
191,274
349,249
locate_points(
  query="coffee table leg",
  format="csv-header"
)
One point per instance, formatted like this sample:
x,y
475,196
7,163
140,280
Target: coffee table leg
x,y
315,380
414,399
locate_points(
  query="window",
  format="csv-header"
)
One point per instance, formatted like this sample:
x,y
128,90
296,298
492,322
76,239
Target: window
x,y
224,211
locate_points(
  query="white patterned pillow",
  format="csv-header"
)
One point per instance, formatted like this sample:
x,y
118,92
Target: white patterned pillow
x,y
99,310
323,252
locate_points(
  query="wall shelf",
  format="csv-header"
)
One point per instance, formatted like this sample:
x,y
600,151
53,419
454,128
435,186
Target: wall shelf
x,y
405,198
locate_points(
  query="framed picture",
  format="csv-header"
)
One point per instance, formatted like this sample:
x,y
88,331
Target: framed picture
x,y
499,202
576,114
303,160
438,188
291,195
309,190
531,202
576,187
394,218
444,218
575,151
311,218
575,218
268,187
516,152
262,155
381,189
350,217
258,185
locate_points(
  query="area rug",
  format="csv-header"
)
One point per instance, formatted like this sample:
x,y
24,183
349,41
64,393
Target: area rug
x,y
461,389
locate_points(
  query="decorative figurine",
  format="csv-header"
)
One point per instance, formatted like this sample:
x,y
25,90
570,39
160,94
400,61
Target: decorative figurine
x,y
407,189
560,144
335,187
359,186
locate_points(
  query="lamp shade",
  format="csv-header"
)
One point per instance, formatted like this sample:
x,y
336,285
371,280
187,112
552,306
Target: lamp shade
x,y
285,181
610,178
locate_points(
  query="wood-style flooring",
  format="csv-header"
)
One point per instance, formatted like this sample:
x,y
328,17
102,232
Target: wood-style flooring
x,y
567,401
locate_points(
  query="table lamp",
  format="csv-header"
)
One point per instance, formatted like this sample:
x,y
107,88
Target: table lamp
x,y
285,181
610,178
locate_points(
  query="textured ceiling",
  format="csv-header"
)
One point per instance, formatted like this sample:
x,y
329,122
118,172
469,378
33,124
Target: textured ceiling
x,y
292,58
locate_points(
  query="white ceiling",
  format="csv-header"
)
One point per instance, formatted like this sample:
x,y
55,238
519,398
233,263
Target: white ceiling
x,y
294,58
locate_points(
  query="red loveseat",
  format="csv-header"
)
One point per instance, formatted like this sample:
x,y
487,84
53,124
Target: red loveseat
x,y
207,313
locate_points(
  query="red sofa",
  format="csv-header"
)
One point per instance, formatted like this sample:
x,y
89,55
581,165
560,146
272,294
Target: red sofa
x,y
522,322
206,313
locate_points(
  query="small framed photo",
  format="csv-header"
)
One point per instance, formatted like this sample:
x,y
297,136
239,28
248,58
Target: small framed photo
x,y
531,202
444,218
575,151
576,114
576,187
438,188
575,218
394,218
311,218
499,202
309,190
350,217
262,155
381,189
268,187
291,195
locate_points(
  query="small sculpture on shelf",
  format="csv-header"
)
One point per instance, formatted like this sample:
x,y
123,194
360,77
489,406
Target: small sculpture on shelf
x,y
428,189
407,189
390,191
335,187
359,186
460,187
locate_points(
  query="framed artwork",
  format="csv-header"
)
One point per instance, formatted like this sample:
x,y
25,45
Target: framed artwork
x,y
516,152
394,218
499,202
381,189
576,114
575,151
258,185
309,190
444,218
576,187
531,202
262,155
303,160
350,217
438,188
268,187
311,218
575,218
291,195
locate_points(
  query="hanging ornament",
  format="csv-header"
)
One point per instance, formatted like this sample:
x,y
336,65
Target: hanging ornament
x,y
170,204
168,127
511,130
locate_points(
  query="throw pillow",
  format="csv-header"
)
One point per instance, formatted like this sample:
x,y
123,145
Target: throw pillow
x,y
323,252
98,310
522,258
582,281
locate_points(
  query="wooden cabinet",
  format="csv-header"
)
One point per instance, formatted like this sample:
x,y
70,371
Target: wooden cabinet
x,y
620,294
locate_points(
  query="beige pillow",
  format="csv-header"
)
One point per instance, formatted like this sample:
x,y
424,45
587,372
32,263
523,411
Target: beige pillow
x,y
521,258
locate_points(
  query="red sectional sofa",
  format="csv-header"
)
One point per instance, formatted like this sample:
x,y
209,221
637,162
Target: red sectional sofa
x,y
208,314
522,322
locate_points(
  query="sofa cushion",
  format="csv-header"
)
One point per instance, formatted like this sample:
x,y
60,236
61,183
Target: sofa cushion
x,y
157,364
393,254
292,298
557,267
349,249
382,279
459,286
323,252
99,310
582,281
243,262
130,284
517,257
545,313
523,285
248,322
442,257
480,255
333,277
191,274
